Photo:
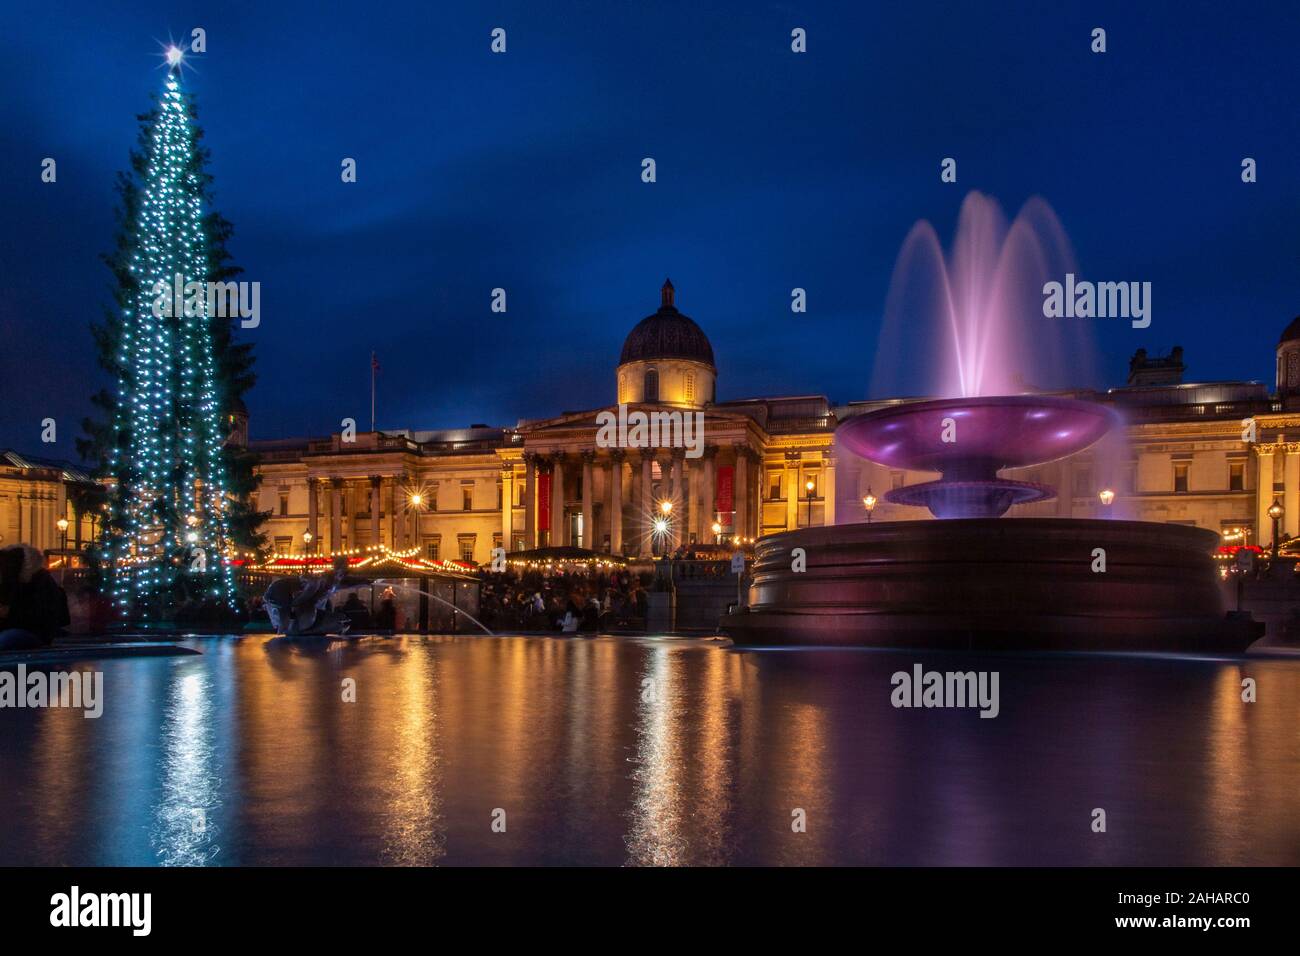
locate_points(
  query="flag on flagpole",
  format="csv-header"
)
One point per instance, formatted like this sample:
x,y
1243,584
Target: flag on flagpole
x,y
374,368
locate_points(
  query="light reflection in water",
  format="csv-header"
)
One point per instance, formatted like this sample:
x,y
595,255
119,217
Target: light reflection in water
x,y
656,836
185,827
412,815
591,770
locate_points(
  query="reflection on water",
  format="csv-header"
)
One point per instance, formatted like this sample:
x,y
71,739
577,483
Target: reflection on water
x,y
649,752
184,832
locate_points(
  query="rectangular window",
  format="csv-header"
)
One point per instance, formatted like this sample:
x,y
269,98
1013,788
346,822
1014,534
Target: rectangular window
x,y
433,548
467,498
496,540
1082,483
500,494
431,501
519,493
284,545
774,486
284,505
466,542
518,543
1180,477
815,478
1236,476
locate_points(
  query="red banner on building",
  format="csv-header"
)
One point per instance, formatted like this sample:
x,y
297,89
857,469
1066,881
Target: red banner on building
x,y
544,502
726,500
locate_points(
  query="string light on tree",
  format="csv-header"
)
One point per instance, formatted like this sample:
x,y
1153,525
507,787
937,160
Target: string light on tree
x,y
168,503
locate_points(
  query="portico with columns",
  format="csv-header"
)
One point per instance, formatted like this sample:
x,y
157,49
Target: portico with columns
x,y
1276,454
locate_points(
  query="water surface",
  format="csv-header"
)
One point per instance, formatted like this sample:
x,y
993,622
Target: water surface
x,y
643,751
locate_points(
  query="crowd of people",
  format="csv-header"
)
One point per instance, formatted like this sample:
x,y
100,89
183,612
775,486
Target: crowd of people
x,y
33,608
568,601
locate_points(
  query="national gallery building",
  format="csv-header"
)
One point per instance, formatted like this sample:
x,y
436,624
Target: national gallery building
x,y
767,465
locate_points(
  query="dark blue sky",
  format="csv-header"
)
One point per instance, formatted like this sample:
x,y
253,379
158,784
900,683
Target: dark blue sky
x,y
523,171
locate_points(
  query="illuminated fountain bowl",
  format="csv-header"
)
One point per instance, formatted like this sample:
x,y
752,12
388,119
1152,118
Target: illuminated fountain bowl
x,y
986,435
979,581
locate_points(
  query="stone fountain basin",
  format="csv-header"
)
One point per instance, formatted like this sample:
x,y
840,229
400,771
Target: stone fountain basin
x,y
991,583
991,433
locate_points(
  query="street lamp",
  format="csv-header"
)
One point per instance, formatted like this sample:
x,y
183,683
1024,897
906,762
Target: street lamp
x,y
306,542
1107,497
869,502
62,525
810,486
663,525
717,532
1276,511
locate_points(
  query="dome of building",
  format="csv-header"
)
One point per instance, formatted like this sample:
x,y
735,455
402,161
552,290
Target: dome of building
x,y
668,334
1292,332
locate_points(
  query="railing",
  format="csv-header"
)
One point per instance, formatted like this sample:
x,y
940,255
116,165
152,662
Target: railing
x,y
693,571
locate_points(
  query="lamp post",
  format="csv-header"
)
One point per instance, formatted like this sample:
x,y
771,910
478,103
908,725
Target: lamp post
x,y
306,543
810,486
62,525
666,524
1107,498
717,532
1276,511
869,502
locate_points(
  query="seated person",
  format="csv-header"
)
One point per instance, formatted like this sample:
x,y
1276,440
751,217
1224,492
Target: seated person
x,y
33,608
356,611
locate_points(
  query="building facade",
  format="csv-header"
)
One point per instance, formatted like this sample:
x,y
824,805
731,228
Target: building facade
x,y
1213,454
47,504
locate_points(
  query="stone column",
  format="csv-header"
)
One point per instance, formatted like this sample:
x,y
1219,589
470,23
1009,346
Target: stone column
x,y
530,500
616,501
740,493
399,515
588,502
644,526
708,496
794,490
680,497
828,489
559,530
1291,496
313,508
1264,496
507,506
375,508
336,513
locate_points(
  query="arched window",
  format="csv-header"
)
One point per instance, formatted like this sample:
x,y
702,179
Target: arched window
x,y
651,390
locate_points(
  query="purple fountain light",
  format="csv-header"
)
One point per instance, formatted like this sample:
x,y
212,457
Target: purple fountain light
x,y
985,298
987,435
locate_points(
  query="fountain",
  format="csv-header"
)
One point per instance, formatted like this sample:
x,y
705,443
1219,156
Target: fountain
x,y
976,579
968,441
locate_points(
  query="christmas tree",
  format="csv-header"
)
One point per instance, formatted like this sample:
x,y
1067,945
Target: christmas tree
x,y
180,505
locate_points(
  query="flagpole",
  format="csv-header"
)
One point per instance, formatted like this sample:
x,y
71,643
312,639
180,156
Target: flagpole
x,y
372,391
